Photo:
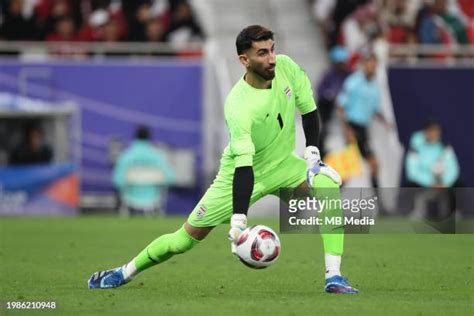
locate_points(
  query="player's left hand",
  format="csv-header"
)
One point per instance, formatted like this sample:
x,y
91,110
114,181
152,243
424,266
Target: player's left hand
x,y
316,166
238,223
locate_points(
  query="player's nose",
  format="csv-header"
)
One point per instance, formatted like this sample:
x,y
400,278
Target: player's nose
x,y
272,60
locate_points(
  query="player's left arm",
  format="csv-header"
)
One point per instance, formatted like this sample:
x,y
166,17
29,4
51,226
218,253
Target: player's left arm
x,y
311,126
315,166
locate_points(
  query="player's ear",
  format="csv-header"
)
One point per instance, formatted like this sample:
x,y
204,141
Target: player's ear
x,y
244,60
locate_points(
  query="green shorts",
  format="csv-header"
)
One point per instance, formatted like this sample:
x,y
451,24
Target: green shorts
x,y
215,207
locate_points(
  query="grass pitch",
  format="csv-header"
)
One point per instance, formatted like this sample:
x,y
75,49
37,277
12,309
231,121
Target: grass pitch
x,y
44,259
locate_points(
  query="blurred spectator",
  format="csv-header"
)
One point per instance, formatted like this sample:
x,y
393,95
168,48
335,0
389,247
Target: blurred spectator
x,y
154,31
133,20
359,102
15,26
139,12
455,25
94,29
398,21
342,10
111,31
141,173
359,28
183,26
323,10
436,25
329,87
467,9
430,163
356,25
56,11
33,150
64,31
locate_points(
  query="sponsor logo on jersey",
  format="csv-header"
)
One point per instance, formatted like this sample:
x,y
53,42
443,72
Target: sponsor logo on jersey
x,y
287,92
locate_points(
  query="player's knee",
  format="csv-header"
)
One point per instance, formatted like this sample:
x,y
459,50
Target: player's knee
x,y
325,187
323,181
182,241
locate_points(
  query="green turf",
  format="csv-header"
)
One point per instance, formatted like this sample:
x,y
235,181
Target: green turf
x,y
51,259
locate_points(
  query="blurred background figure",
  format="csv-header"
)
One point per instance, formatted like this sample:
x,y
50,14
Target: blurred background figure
x,y
183,26
342,9
432,166
430,163
154,31
15,25
398,20
360,28
439,26
329,87
359,103
33,150
142,175
63,31
99,20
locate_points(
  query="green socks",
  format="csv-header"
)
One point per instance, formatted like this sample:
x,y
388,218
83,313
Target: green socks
x,y
163,248
333,235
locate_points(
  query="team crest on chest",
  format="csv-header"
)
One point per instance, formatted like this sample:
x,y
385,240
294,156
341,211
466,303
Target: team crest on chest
x,y
287,92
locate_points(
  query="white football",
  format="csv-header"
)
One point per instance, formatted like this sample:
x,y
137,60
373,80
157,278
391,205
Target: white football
x,y
258,247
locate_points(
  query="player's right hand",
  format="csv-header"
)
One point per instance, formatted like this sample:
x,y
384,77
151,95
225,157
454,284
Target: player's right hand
x,y
238,223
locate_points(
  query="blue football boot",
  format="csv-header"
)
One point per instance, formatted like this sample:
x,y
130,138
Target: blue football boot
x,y
107,279
338,284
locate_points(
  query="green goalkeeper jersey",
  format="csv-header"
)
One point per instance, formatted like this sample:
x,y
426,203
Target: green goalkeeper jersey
x,y
261,122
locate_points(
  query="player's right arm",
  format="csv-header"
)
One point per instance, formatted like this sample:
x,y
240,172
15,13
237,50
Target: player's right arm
x,y
239,123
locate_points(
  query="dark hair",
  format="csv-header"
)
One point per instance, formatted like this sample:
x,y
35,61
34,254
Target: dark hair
x,y
250,34
142,133
33,126
431,123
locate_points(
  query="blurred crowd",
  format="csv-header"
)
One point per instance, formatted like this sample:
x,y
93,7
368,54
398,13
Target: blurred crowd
x,y
354,89
171,21
353,23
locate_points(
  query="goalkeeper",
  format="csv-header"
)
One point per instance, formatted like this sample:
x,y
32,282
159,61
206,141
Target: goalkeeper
x,y
259,160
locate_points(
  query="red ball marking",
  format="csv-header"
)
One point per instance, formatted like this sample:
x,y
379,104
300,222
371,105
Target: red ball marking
x,y
255,252
242,238
264,234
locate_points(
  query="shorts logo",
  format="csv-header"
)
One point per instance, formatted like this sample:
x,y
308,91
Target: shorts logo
x,y
287,92
201,212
